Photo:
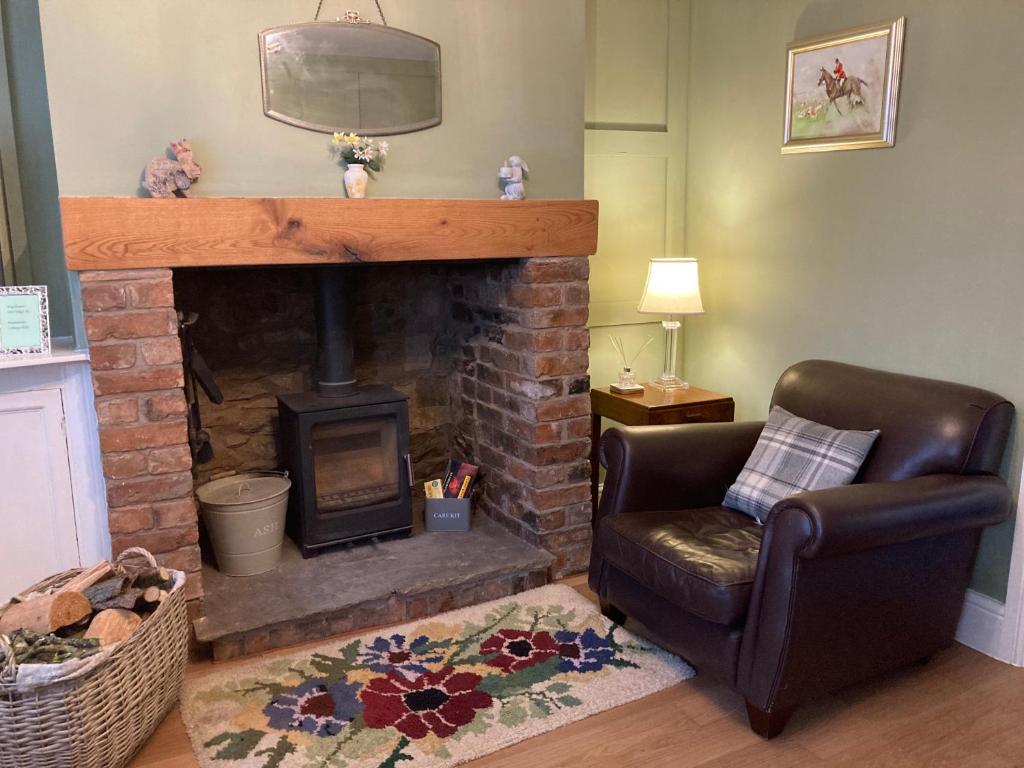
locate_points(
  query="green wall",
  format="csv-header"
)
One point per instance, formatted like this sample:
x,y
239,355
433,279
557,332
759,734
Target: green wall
x,y
635,165
126,76
908,259
37,177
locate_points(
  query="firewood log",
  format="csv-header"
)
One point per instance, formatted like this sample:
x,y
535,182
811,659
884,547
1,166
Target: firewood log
x,y
88,577
154,595
113,626
159,577
125,600
105,590
46,613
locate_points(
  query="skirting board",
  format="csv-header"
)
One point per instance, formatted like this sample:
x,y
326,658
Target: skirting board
x,y
981,627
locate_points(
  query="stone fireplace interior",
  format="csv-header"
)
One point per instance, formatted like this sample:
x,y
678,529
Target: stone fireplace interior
x,y
491,354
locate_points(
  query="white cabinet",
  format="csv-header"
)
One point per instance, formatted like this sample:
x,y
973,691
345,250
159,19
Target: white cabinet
x,y
52,508
38,535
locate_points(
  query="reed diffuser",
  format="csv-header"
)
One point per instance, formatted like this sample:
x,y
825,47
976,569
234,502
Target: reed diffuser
x,y
627,379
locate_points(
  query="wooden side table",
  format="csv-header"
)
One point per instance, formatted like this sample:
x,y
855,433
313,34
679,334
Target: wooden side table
x,y
652,406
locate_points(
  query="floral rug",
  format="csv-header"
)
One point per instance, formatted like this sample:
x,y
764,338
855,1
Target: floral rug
x,y
438,692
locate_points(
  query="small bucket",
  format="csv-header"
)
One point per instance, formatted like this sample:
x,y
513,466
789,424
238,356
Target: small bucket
x,y
245,516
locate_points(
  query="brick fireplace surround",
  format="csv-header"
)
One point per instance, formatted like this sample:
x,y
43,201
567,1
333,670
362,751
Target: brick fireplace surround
x,y
514,357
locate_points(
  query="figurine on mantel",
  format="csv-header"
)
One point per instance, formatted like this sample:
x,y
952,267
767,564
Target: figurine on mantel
x,y
511,177
173,178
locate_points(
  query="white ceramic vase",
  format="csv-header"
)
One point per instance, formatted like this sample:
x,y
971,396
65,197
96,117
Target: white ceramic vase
x,y
356,180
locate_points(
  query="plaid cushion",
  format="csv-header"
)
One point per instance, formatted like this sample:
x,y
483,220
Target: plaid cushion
x,y
794,455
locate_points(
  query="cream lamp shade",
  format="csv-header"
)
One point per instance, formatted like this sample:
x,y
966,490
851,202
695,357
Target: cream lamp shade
x,y
672,288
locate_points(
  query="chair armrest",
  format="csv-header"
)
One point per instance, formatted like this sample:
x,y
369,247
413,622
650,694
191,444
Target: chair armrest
x,y
673,467
851,518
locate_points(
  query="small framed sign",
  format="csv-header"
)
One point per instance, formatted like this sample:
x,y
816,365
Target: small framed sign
x,y
24,320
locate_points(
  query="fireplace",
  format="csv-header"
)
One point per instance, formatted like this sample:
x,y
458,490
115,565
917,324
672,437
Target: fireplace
x,y
482,327
346,447
348,458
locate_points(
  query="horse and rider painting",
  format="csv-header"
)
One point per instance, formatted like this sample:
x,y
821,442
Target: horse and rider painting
x,y
841,89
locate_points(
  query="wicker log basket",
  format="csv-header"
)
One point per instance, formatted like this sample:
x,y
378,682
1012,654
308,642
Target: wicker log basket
x,y
101,716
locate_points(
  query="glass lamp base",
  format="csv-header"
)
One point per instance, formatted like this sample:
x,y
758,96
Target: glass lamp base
x,y
669,383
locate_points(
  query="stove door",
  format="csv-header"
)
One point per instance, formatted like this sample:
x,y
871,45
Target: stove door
x,y
350,473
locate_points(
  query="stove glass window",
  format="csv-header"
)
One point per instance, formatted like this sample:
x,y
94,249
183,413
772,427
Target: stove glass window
x,y
355,463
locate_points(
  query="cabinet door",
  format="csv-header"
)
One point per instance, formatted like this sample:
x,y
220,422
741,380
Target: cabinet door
x,y
37,514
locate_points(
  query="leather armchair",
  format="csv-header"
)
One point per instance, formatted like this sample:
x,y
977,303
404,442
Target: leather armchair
x,y
840,584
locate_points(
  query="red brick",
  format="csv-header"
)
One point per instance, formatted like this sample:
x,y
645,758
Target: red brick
x,y
565,408
545,366
98,297
131,325
546,455
193,588
565,538
122,410
580,427
156,541
540,434
133,438
577,338
171,514
556,498
533,341
121,466
139,490
557,269
130,519
555,318
137,380
108,357
121,275
162,461
165,406
576,295
164,351
184,559
527,295
151,293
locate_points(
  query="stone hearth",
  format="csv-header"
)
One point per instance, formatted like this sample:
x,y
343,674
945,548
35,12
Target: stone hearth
x,y
493,356
365,585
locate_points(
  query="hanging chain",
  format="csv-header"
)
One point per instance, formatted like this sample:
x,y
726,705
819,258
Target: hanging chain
x,y
320,5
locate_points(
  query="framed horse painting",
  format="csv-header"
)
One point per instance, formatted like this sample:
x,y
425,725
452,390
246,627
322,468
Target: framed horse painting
x,y
842,89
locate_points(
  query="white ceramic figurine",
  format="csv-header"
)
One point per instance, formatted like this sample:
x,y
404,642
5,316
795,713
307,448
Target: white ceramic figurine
x,y
511,176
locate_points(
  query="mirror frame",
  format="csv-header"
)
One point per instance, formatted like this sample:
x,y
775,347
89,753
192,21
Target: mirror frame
x,y
384,131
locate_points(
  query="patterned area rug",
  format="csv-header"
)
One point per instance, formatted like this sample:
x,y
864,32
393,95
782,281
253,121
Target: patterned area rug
x,y
434,693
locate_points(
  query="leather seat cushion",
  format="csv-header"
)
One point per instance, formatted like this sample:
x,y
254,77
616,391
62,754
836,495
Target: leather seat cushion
x,y
702,560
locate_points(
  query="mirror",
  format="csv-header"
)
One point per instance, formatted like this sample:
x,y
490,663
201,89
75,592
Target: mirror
x,y
364,78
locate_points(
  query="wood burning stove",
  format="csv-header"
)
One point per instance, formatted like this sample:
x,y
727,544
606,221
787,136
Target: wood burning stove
x,y
346,447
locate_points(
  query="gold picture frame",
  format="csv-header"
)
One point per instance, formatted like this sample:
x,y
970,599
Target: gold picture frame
x,y
829,108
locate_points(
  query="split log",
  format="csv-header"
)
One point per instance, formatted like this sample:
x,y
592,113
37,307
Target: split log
x,y
113,626
105,590
46,613
88,577
126,600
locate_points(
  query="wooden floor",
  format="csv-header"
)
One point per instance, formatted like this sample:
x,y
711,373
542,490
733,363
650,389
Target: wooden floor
x,y
962,710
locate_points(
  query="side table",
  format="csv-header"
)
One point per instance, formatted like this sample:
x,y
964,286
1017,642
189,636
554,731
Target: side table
x,y
652,406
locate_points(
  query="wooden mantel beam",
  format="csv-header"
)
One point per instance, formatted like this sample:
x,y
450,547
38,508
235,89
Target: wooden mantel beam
x,y
141,233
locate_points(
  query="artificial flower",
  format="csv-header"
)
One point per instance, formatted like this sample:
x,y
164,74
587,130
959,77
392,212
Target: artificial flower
x,y
317,706
434,702
516,649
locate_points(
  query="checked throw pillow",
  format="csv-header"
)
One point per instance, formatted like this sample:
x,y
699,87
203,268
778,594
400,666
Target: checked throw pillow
x,y
794,455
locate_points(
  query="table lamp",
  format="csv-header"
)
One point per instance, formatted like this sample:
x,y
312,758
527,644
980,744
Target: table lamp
x,y
672,289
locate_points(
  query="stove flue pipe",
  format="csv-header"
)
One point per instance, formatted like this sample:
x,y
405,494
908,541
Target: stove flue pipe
x,y
335,370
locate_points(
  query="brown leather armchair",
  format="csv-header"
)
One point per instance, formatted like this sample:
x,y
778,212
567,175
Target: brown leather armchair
x,y
840,584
